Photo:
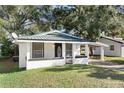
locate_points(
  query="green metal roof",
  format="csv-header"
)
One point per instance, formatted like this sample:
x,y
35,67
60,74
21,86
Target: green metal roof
x,y
53,36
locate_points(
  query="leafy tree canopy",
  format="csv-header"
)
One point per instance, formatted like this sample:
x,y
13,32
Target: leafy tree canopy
x,y
85,21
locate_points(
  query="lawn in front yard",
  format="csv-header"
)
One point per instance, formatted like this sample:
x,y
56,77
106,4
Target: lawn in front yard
x,y
68,76
118,60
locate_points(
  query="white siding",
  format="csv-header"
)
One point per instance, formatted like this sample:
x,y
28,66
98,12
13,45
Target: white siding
x,y
22,54
49,50
107,51
63,51
122,50
44,63
77,49
80,61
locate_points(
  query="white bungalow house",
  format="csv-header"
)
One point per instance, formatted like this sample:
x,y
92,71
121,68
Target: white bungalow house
x,y
116,46
53,48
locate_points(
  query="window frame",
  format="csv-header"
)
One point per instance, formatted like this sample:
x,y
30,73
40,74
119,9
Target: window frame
x,y
68,50
112,47
34,50
82,50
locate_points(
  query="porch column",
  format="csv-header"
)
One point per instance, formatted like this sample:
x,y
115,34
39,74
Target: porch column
x,y
28,51
102,53
73,51
87,51
63,50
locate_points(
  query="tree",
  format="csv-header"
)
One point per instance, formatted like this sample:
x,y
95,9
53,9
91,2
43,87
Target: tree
x,y
6,49
22,20
25,19
89,21
85,21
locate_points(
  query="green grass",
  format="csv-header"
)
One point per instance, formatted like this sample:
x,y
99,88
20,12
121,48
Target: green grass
x,y
65,76
118,60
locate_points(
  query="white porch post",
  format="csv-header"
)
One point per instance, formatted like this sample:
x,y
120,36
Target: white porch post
x,y
73,51
63,50
28,51
102,53
31,50
87,51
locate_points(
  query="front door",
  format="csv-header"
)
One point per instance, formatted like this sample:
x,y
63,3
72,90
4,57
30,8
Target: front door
x,y
58,50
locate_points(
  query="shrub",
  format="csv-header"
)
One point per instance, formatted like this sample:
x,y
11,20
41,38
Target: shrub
x,y
6,49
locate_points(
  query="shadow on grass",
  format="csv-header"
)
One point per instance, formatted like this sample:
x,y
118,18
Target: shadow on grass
x,y
11,68
93,71
67,68
106,74
12,71
117,61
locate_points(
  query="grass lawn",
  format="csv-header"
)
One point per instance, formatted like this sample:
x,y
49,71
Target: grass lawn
x,y
118,60
65,76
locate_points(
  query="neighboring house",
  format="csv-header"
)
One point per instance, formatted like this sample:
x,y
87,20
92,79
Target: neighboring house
x,y
116,46
53,48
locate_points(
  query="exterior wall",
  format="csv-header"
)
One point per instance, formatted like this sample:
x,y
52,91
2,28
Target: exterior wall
x,y
107,51
49,50
25,53
22,55
44,63
122,50
80,61
77,52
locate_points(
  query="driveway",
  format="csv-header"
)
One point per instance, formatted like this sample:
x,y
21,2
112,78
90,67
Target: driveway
x,y
109,65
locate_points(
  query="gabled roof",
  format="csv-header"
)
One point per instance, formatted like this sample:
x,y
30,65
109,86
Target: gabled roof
x,y
53,36
112,39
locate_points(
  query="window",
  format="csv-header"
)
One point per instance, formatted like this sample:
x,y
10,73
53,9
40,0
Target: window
x,y
37,50
68,50
82,50
112,47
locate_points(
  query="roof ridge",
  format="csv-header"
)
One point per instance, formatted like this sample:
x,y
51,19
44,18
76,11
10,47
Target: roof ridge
x,y
110,38
45,33
69,35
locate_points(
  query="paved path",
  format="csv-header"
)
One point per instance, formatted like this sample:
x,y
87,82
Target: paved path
x,y
109,65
